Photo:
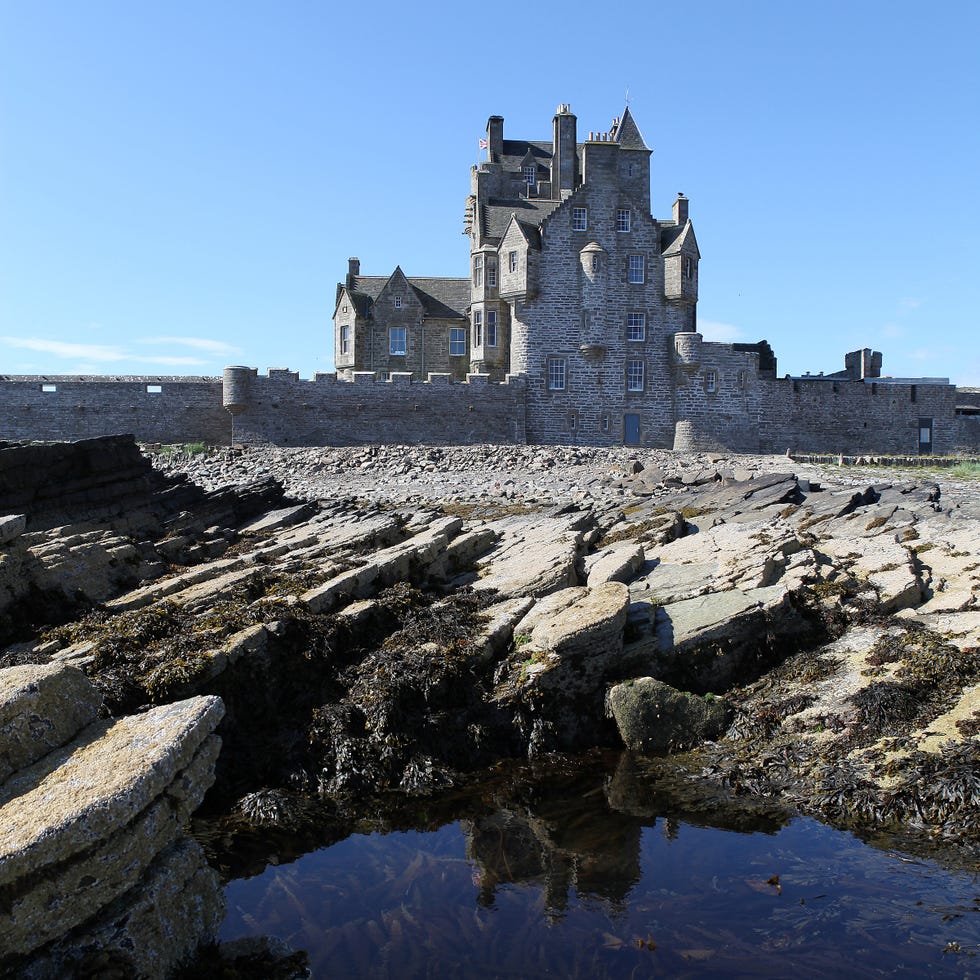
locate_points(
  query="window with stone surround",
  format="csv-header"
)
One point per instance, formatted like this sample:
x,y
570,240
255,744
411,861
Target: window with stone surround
x,y
477,328
397,341
623,219
556,374
604,422
154,389
634,375
710,381
345,339
491,272
491,328
580,219
477,270
530,175
398,302
637,269
49,387
512,261
636,326
688,267
457,341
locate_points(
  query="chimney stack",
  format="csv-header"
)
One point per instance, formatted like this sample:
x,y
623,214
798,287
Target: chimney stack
x,y
680,209
353,270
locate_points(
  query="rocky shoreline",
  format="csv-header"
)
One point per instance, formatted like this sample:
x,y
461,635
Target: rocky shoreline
x,y
392,619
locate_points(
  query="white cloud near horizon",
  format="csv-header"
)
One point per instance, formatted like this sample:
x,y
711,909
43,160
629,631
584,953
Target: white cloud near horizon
x,y
96,353
199,343
715,330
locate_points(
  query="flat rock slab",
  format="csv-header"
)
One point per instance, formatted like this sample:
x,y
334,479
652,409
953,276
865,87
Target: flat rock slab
x,y
709,617
592,624
79,795
12,526
42,706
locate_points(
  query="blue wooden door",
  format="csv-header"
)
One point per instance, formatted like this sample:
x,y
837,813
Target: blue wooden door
x,y
631,430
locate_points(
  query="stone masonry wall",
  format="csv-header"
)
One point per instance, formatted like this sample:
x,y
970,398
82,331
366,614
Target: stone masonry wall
x,y
285,411
53,408
855,417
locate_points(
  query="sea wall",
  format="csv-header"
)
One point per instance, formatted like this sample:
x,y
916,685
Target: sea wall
x,y
280,409
166,409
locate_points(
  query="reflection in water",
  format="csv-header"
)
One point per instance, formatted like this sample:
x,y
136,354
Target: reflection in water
x,y
580,869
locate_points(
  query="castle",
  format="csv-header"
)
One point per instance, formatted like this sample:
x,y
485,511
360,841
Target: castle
x,y
576,324
575,287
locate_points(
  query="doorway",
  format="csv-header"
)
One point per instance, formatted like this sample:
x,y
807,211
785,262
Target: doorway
x,y
631,430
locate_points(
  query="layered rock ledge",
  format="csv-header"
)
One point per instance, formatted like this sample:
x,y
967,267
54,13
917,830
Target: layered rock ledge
x,y
391,619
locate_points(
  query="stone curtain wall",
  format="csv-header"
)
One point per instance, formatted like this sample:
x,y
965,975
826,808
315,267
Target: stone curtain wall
x,y
185,409
855,417
285,411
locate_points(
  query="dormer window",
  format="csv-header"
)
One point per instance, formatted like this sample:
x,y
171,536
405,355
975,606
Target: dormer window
x,y
398,302
530,175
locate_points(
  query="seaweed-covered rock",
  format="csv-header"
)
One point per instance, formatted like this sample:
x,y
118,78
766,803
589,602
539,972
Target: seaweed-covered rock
x,y
653,717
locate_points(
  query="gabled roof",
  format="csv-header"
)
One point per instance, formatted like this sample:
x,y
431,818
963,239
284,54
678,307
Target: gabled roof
x,y
531,211
628,135
530,233
442,298
675,239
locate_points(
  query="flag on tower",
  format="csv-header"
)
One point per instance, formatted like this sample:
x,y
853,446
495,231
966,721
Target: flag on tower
x,y
483,144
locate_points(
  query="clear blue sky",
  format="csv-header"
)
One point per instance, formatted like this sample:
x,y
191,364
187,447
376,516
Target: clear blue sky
x,y
181,183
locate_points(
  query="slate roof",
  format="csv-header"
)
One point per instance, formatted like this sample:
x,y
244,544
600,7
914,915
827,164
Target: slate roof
x,y
446,299
628,133
674,237
529,211
514,152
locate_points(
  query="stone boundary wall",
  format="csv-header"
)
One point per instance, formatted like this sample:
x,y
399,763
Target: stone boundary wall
x,y
821,415
282,410
167,409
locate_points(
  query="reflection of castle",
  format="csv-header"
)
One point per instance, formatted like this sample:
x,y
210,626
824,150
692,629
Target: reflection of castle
x,y
577,288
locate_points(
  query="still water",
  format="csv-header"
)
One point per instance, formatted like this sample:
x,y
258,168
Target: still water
x,y
591,875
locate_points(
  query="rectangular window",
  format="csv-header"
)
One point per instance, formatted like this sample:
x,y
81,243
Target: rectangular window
x,y
634,375
491,328
398,302
710,380
556,374
477,328
580,219
636,326
386,375
637,269
623,219
512,261
491,272
478,270
688,267
345,339
398,340
49,387
604,422
572,420
530,175
154,389
457,341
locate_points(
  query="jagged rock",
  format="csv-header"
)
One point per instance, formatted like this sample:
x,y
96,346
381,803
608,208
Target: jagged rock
x,y
41,708
618,563
653,717
12,526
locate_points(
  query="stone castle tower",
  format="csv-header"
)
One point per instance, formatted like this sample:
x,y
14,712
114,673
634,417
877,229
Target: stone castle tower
x,y
574,283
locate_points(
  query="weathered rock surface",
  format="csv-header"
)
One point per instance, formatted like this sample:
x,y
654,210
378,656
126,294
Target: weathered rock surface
x,y
409,613
91,803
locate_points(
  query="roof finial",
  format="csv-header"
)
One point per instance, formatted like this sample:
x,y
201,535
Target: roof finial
x,y
627,96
